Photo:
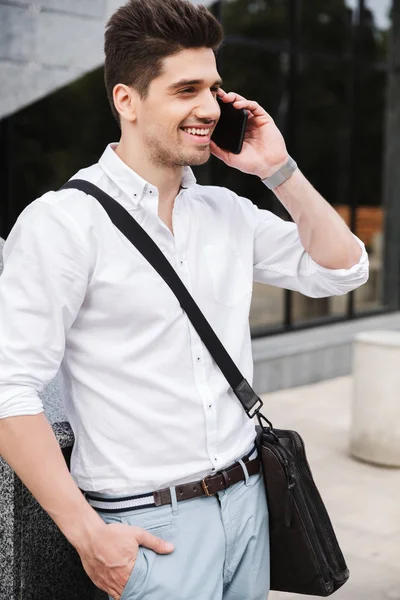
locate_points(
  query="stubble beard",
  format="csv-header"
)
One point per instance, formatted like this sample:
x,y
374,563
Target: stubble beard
x,y
165,158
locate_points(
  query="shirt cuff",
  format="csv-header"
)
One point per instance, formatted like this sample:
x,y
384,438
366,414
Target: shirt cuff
x,y
19,401
360,267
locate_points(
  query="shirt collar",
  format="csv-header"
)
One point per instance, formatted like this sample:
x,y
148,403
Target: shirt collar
x,y
127,180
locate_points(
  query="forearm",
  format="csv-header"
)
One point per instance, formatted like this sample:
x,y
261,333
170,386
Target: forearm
x,y
323,233
29,446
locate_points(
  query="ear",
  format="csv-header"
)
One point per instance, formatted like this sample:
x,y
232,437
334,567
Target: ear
x,y
125,99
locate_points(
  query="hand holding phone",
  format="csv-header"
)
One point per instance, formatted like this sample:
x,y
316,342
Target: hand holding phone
x,y
231,127
255,135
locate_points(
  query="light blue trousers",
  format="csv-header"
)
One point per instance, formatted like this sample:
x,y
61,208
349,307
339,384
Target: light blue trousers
x,y
221,547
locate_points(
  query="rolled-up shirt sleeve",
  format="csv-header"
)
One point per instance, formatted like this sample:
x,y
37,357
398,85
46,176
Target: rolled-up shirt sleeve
x,y
280,260
42,287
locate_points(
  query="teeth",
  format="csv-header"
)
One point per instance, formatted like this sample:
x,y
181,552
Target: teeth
x,y
193,131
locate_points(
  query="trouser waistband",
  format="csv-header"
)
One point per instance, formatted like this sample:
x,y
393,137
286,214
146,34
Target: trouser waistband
x,y
248,465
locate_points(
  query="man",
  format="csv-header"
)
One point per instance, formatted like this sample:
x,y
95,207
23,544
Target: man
x,y
149,408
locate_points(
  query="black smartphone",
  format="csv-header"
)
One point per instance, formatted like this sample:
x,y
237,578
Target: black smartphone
x,y
231,127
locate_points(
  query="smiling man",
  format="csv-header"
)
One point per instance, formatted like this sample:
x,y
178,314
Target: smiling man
x,y
151,412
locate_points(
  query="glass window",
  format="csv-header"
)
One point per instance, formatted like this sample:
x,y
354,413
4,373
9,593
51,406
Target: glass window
x,y
256,19
370,141
325,28
267,308
323,128
253,62
340,133
381,13
55,137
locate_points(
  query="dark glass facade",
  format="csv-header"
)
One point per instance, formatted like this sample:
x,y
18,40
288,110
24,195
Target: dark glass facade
x,y
319,68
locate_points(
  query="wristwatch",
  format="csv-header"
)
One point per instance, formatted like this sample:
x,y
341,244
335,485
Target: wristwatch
x,y
282,175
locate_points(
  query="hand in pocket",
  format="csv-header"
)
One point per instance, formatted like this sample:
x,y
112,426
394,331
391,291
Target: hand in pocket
x,y
109,557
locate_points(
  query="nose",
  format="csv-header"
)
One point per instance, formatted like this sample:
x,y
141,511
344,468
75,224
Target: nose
x,y
208,109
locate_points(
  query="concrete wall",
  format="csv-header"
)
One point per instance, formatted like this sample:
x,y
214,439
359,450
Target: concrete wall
x,y
47,44
302,357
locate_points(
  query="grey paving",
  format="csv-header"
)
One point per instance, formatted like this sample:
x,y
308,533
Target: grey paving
x,y
363,500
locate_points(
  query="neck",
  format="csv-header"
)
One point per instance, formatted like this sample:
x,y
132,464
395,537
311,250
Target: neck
x,y
166,179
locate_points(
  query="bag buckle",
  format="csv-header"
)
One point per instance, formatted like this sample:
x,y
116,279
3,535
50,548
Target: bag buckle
x,y
205,487
256,409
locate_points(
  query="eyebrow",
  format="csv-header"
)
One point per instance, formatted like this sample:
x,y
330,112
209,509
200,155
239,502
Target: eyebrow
x,y
184,82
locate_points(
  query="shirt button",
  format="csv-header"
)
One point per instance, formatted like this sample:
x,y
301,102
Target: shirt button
x,y
198,359
181,262
210,406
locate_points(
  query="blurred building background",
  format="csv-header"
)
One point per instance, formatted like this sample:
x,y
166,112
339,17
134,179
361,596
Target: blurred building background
x,y
328,72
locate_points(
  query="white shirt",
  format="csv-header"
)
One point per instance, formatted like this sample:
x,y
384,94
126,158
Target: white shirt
x,y
146,403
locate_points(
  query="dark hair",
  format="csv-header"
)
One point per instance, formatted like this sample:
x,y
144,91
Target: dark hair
x,y
140,34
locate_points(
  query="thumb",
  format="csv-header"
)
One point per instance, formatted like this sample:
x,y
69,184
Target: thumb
x,y
147,539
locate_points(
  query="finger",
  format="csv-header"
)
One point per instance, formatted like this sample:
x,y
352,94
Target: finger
x,y
233,96
253,107
144,538
224,96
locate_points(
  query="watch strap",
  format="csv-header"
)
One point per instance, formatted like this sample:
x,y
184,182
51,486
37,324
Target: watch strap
x,y
282,175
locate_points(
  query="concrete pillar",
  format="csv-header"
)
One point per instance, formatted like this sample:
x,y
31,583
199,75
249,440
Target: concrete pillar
x,y
375,427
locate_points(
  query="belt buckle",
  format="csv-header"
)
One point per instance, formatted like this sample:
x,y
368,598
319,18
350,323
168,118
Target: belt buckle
x,y
205,487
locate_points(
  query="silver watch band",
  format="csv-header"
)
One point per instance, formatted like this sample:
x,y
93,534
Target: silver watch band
x,y
281,175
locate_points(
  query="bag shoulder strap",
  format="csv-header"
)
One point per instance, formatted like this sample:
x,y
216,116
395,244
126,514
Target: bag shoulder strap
x,y
149,249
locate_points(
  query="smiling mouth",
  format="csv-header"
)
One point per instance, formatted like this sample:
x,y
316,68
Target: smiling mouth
x,y
198,135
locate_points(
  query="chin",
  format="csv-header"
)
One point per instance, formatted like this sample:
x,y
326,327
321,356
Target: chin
x,y
200,158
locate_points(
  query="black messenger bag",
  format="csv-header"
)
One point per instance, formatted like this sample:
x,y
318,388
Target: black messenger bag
x,y
305,557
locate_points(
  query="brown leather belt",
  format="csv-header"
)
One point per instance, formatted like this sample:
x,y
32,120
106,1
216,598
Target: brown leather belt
x,y
208,486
